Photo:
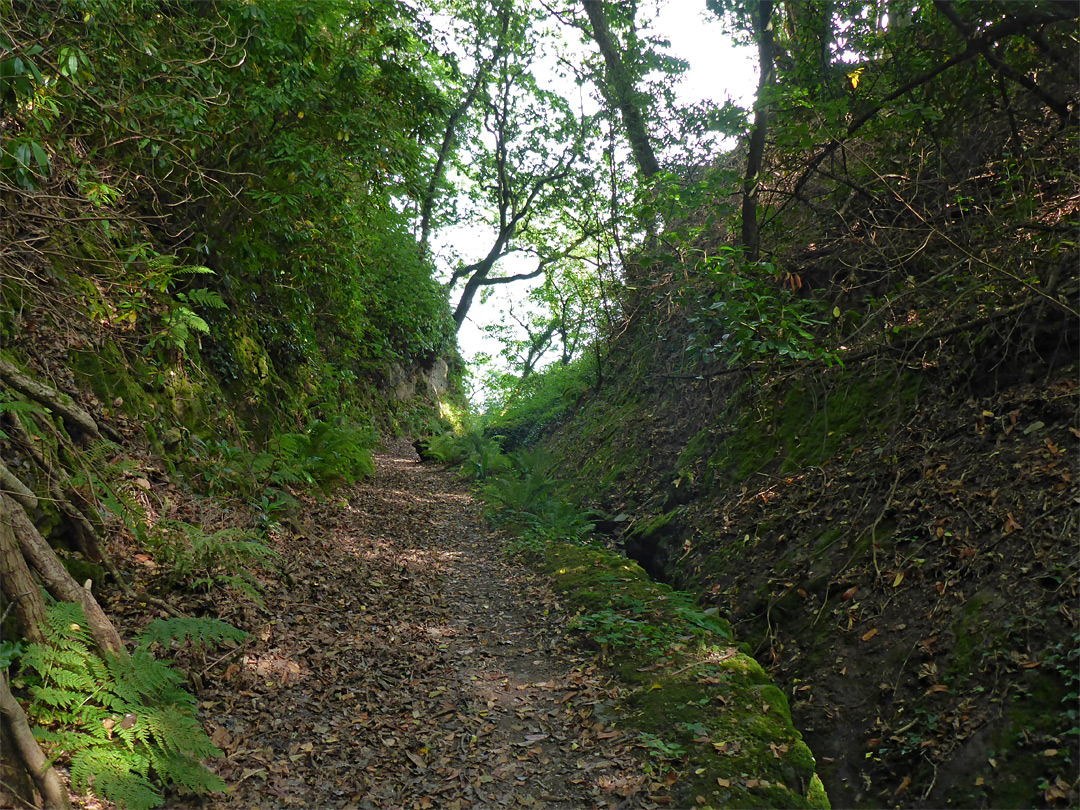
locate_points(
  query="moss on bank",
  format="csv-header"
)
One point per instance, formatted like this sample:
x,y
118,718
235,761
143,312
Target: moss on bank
x,y
802,426
695,695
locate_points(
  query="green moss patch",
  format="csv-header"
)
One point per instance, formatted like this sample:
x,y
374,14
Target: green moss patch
x,y
803,426
702,703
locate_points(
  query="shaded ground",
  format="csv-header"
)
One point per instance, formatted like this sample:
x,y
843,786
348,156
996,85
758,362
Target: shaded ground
x,y
402,662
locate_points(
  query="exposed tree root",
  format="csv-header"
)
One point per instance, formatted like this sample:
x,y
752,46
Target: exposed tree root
x,y
53,793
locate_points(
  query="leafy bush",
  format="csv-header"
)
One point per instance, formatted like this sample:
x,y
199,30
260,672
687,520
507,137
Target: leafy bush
x,y
611,628
125,722
325,456
744,314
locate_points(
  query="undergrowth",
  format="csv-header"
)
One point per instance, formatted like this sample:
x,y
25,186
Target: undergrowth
x,y
125,724
198,561
324,456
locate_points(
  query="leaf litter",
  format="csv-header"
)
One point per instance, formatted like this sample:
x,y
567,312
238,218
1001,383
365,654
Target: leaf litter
x,y
402,661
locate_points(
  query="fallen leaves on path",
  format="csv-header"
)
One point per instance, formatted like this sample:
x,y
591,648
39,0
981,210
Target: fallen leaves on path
x,y
408,664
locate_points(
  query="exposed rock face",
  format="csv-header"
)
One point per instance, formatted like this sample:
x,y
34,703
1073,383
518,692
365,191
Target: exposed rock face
x,y
414,380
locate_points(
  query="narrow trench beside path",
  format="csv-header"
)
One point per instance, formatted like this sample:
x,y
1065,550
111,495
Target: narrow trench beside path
x,y
409,664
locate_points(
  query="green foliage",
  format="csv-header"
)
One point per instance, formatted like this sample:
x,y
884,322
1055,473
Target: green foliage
x,y
450,448
268,507
528,409
325,455
200,631
1065,659
270,152
742,313
10,652
524,497
193,559
125,722
479,456
614,628
658,747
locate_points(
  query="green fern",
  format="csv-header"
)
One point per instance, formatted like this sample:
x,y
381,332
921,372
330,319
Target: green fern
x,y
104,469
326,455
200,561
200,632
126,723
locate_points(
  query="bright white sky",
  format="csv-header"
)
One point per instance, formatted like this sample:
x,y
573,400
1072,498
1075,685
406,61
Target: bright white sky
x,y
718,70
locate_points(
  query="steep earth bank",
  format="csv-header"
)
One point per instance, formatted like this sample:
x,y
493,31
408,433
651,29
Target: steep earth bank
x,y
896,537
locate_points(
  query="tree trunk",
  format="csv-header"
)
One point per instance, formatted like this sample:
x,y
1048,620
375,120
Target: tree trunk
x,y
19,585
53,793
468,293
763,24
618,88
58,581
16,787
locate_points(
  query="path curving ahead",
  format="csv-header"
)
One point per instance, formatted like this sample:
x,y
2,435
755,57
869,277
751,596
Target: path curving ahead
x,y
408,665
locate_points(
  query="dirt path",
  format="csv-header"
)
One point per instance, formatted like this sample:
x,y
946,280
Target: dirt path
x,y
409,665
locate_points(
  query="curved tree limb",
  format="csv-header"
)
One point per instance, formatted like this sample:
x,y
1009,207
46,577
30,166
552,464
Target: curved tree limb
x,y
57,580
48,396
89,539
450,134
16,488
1060,108
1006,28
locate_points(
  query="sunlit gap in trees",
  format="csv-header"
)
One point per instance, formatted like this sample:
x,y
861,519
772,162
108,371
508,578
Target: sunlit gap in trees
x,y
720,70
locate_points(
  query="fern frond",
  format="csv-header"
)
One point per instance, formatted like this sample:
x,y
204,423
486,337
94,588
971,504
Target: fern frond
x,y
122,720
56,696
61,739
199,631
22,406
140,677
67,619
110,773
185,771
206,298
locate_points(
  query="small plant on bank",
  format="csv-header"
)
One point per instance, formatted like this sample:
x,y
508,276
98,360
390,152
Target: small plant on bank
x,y
125,723
613,629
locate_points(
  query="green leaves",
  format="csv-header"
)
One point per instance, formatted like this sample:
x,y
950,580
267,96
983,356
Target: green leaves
x,y
126,723
745,314
18,73
199,631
